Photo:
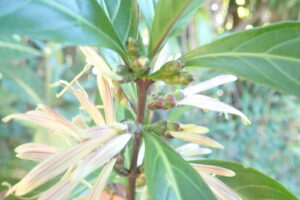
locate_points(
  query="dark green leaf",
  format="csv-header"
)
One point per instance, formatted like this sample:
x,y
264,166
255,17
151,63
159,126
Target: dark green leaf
x,y
250,183
268,55
168,176
11,49
72,22
170,15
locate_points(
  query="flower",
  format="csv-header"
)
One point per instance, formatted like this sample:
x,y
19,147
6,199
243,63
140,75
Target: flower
x,y
91,147
204,102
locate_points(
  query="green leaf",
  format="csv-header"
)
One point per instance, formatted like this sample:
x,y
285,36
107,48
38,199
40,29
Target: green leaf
x,y
250,183
11,49
168,176
126,21
170,16
71,22
268,55
23,82
124,16
147,8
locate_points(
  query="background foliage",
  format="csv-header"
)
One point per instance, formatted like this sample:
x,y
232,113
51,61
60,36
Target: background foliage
x,y
270,144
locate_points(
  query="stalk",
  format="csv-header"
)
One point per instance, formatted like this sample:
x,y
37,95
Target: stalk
x,y
143,86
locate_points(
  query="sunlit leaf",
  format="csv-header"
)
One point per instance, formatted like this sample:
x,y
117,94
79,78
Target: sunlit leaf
x,y
267,55
170,16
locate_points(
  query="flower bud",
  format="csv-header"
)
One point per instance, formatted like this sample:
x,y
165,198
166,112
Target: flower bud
x,y
184,78
158,103
140,64
179,95
171,101
125,72
120,96
172,126
132,48
173,66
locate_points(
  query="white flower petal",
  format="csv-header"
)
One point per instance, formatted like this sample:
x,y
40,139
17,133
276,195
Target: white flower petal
x,y
102,155
60,191
101,181
57,164
213,170
222,191
211,83
199,139
192,149
205,102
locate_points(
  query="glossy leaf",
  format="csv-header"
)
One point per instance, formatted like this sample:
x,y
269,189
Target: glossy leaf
x,y
170,16
168,176
71,22
11,49
123,15
250,183
268,55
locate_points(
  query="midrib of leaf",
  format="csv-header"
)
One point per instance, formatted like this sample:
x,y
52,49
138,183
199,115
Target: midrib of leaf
x,y
18,47
240,54
169,169
22,84
168,29
79,18
264,56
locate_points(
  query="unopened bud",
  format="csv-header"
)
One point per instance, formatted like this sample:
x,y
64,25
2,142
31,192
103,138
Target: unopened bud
x,y
140,64
132,48
179,95
125,73
171,101
158,103
185,78
173,66
120,96
172,126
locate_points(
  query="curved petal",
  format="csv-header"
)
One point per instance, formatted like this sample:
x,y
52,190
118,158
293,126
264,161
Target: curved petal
x,y
205,102
211,83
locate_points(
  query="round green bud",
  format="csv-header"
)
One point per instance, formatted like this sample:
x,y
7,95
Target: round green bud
x,y
140,64
171,101
185,78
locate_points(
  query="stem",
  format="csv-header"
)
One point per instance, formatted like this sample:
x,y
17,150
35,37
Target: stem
x,y
143,86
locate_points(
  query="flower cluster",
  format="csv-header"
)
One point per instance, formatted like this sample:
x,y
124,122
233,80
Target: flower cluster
x,y
92,147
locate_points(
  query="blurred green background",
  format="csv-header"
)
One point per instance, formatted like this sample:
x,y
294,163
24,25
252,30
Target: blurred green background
x,y
271,143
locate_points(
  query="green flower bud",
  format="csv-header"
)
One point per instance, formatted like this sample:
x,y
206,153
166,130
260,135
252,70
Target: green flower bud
x,y
132,48
179,95
161,127
120,96
184,78
172,126
158,103
167,71
140,64
172,66
125,72
171,101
